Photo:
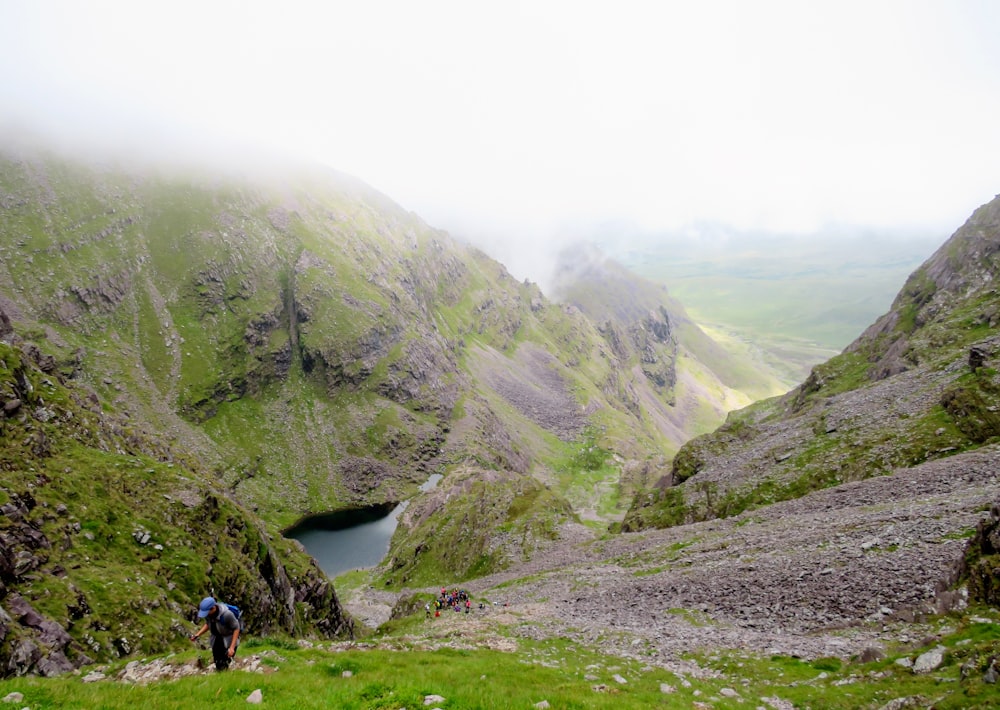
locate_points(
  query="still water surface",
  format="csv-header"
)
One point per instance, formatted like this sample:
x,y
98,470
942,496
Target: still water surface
x,y
351,539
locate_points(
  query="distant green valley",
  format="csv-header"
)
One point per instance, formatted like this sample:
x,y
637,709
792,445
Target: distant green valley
x,y
790,301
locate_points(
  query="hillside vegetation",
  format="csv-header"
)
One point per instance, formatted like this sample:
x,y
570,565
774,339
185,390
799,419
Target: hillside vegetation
x,y
107,535
188,364
298,344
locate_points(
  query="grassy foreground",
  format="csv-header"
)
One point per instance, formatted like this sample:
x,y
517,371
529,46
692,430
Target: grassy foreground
x,y
398,671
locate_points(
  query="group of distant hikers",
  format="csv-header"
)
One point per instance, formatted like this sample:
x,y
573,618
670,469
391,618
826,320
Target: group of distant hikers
x,y
456,600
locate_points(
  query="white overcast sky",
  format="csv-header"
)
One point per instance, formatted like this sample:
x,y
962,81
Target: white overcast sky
x,y
519,120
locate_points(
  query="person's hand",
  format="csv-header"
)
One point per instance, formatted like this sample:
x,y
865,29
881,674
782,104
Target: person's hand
x,y
193,637
231,652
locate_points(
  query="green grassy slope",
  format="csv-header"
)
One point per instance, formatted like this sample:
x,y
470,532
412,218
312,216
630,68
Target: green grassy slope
x,y
316,347
109,536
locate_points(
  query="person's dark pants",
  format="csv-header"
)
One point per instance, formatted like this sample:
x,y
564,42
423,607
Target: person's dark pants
x,y
220,653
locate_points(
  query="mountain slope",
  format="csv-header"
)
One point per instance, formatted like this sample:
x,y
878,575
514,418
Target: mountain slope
x,y
308,346
919,385
108,536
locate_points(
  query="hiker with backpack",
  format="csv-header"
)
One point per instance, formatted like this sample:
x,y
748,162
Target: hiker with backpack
x,y
223,620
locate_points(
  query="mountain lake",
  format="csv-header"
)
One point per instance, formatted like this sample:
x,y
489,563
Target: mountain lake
x,y
351,539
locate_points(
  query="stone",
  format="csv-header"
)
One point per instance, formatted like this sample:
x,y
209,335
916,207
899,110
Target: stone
x,y
990,676
543,705
348,674
93,677
729,693
667,689
256,697
929,660
13,698
433,699
900,703
618,679
871,654
55,663
23,657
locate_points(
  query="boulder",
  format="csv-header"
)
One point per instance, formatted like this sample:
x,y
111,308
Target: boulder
x,y
929,660
6,329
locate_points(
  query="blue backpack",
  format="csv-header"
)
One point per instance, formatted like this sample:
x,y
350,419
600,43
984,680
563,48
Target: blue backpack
x,y
237,613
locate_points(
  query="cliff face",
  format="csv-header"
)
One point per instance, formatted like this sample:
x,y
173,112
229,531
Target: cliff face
x,y
919,385
672,370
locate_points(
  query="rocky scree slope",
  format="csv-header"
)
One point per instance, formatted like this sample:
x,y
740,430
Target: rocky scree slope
x,y
921,384
833,573
109,535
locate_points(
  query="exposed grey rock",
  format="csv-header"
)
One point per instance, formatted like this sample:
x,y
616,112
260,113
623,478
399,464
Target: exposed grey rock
x,y
543,705
53,664
432,699
901,703
23,657
991,675
777,552
50,634
6,329
929,660
256,697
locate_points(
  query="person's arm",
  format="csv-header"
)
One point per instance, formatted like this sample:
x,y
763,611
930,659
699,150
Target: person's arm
x,y
232,645
199,632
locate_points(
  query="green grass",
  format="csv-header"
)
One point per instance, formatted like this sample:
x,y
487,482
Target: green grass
x,y
311,678
394,669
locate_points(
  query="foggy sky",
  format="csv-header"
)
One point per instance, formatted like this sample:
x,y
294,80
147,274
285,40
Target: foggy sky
x,y
516,122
